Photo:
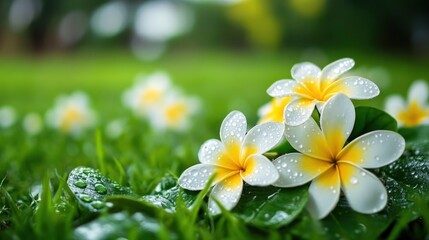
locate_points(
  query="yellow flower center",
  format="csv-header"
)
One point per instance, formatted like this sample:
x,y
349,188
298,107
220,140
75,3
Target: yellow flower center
x,y
71,116
235,160
413,115
175,112
311,88
150,96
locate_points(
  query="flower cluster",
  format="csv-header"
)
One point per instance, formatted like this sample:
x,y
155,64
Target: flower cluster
x,y
325,154
165,107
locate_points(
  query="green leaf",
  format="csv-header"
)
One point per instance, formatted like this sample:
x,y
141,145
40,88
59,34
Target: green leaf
x,y
120,225
166,194
269,206
369,119
91,188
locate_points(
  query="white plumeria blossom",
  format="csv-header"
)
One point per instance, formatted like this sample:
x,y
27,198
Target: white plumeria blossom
x,y
274,110
414,111
313,87
236,158
147,93
7,116
71,114
331,166
174,112
32,123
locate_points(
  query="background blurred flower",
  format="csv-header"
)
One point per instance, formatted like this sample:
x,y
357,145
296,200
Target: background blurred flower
x,y
71,114
32,123
174,112
415,110
7,116
148,92
110,19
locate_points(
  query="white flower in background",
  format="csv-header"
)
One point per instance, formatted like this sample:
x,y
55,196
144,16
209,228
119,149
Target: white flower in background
x,y
415,111
71,114
313,87
331,166
274,110
115,128
110,18
147,93
237,157
7,116
174,112
32,123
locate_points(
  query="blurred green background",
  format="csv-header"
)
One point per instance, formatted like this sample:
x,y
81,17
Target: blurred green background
x,y
226,51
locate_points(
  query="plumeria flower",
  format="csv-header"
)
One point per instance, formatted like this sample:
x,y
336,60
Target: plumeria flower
x,y
313,87
415,111
32,123
331,165
71,114
274,110
7,116
237,157
147,93
174,112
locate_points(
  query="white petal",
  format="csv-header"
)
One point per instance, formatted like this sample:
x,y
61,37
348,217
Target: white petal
x,y
335,69
302,71
364,191
210,151
374,149
196,177
308,139
259,171
355,88
282,88
418,92
298,111
324,193
296,169
227,192
394,104
264,136
337,121
233,128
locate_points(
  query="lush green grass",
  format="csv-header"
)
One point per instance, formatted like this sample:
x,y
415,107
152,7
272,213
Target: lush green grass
x,y
140,157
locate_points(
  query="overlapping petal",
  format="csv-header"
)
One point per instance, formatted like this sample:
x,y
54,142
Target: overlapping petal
x,y
197,176
354,87
337,121
264,136
296,169
324,193
333,70
374,149
233,128
259,171
308,139
364,191
302,71
227,192
282,88
210,151
298,111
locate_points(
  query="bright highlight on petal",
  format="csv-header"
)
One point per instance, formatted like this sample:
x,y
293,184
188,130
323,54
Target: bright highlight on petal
x,y
325,160
314,87
414,111
236,158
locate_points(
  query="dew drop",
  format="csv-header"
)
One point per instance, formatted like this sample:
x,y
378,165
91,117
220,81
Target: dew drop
x,y
80,184
353,180
97,204
85,198
100,189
